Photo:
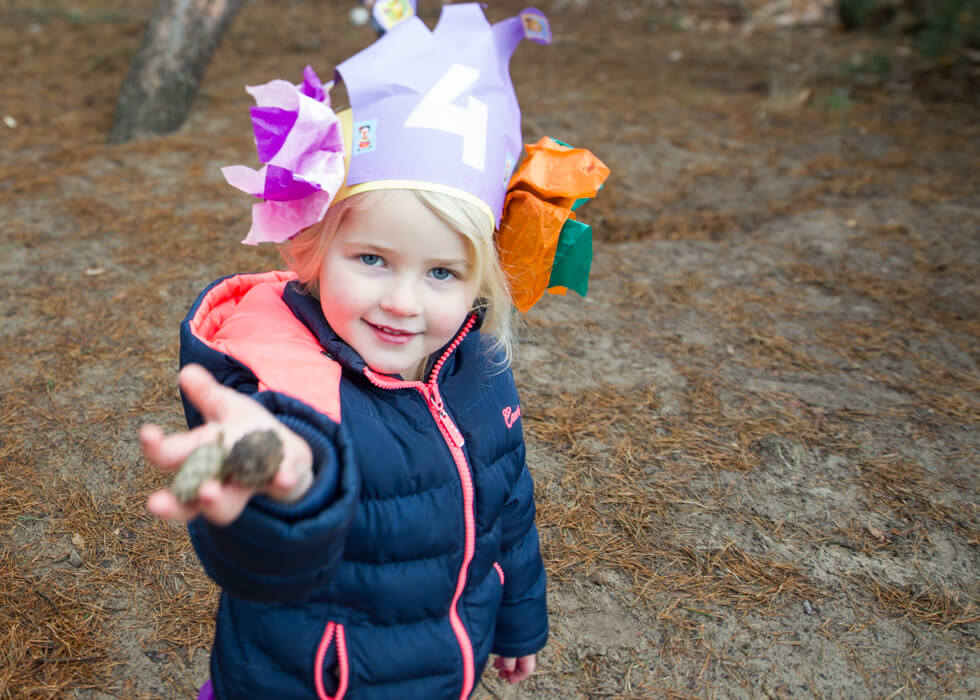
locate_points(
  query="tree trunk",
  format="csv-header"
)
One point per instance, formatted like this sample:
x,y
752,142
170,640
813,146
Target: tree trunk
x,y
158,91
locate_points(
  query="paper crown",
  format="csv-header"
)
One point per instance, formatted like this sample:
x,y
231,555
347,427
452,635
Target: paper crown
x,y
436,109
431,110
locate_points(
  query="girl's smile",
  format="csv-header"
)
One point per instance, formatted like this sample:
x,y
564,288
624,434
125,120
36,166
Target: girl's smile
x,y
392,335
396,284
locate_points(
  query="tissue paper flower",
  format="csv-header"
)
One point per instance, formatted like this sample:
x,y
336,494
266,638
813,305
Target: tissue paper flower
x,y
299,139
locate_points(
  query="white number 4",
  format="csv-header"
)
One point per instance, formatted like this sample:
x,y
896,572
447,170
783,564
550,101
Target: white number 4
x,y
437,111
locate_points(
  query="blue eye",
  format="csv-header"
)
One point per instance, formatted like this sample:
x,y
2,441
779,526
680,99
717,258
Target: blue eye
x,y
441,273
369,259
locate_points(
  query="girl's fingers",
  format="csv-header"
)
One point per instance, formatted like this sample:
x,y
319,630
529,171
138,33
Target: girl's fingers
x,y
504,664
222,503
293,479
523,668
213,400
514,670
219,503
168,451
163,505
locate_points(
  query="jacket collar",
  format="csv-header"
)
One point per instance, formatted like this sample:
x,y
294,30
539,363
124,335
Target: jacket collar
x,y
307,309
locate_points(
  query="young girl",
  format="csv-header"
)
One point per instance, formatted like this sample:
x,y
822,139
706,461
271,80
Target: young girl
x,y
394,549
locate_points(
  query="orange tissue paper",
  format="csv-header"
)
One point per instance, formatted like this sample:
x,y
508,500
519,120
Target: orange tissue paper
x,y
540,198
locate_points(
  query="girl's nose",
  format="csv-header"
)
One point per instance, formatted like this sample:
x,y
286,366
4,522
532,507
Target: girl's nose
x,y
402,298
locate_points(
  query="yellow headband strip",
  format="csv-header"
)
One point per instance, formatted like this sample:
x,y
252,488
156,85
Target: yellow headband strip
x,y
347,123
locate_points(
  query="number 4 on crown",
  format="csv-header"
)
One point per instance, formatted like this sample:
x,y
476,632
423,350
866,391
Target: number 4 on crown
x,y
437,111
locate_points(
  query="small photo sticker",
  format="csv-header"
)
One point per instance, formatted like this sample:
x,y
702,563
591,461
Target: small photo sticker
x,y
536,27
365,137
509,167
388,13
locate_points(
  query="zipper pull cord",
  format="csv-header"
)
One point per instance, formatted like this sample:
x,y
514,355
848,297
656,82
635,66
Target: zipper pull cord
x,y
435,399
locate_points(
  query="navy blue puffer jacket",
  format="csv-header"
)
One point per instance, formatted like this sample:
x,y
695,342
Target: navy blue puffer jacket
x,y
413,556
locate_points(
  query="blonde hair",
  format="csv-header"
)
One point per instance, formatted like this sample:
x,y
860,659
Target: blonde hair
x,y
304,254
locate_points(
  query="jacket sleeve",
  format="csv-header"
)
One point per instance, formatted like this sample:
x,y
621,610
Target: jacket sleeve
x,y
277,552
522,621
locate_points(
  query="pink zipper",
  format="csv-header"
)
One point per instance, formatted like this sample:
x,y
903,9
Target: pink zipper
x,y
454,440
342,666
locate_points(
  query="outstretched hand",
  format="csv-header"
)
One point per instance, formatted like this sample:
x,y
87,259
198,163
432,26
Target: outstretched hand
x,y
228,416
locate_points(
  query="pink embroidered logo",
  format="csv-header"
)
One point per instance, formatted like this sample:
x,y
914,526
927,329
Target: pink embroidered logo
x,y
511,415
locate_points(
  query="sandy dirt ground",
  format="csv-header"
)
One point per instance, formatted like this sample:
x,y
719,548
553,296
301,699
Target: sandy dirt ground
x,y
755,442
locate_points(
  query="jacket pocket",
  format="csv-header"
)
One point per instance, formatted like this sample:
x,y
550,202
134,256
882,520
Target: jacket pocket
x,y
500,571
333,642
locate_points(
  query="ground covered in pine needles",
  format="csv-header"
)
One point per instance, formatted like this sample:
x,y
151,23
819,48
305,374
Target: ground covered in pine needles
x,y
755,443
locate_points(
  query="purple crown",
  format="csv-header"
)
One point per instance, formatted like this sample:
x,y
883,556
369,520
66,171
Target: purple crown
x,y
437,107
430,110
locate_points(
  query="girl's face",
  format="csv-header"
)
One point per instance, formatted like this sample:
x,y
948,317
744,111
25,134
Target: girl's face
x,y
396,283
